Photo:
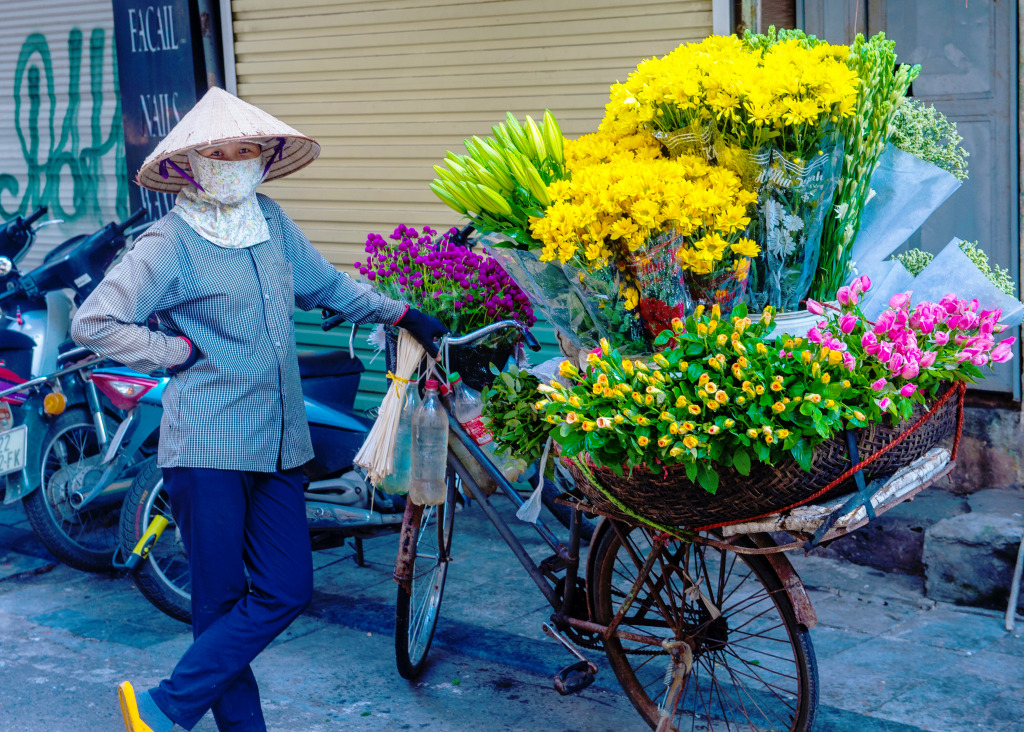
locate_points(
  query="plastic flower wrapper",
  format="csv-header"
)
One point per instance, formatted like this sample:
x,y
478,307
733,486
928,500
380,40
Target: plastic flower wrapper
x,y
906,190
791,210
696,138
667,290
953,271
583,306
549,291
889,277
610,301
883,84
659,280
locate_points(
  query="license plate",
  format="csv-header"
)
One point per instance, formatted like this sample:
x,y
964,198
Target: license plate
x,y
12,449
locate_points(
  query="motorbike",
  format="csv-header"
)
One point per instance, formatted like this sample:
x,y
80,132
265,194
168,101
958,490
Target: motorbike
x,y
63,425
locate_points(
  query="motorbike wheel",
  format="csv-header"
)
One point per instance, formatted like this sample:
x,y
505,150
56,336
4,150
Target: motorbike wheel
x,y
163,578
82,539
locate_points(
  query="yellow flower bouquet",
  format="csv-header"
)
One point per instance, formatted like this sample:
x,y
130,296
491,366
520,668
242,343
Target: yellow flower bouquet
x,y
768,107
670,228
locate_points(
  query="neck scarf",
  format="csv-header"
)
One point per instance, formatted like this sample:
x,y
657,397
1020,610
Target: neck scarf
x,y
224,211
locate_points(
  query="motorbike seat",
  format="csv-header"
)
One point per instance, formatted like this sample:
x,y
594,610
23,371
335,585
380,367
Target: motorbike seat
x,y
16,353
320,364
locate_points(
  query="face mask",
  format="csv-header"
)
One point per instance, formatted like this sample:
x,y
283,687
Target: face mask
x,y
226,182
226,211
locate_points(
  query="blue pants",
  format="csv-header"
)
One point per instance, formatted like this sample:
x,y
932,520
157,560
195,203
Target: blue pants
x,y
231,521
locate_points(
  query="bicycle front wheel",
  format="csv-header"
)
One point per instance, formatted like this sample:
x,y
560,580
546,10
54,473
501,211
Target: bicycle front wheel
x,y
753,665
417,611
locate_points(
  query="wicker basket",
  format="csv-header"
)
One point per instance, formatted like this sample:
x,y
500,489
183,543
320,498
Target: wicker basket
x,y
668,497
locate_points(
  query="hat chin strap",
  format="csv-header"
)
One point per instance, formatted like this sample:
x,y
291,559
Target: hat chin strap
x,y
165,175
278,154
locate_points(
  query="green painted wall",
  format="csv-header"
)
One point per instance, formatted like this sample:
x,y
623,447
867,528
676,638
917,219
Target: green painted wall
x,y
309,337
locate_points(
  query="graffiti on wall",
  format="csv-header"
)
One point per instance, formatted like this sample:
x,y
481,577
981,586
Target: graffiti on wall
x,y
64,158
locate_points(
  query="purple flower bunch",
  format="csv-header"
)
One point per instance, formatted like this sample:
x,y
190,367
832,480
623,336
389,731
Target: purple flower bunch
x,y
461,288
910,349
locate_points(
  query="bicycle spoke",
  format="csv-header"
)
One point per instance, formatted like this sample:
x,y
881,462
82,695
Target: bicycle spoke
x,y
748,673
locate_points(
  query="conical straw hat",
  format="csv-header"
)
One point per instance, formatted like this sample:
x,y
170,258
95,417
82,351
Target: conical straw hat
x,y
220,117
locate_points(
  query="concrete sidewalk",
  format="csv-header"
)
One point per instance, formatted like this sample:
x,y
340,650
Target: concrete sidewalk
x,y
889,659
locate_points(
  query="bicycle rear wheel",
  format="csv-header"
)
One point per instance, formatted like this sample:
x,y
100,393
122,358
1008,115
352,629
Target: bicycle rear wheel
x,y
416,612
753,663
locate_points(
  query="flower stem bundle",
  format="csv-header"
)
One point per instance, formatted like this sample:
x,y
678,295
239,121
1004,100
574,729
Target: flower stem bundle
x,y
883,88
377,455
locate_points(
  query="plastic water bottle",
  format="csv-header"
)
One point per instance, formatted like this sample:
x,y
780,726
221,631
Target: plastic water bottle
x,y
429,454
467,407
398,481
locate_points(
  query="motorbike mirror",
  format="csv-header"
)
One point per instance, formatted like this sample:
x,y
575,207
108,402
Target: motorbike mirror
x,y
6,266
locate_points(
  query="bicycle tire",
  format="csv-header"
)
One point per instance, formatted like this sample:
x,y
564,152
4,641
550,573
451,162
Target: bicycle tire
x,y
416,613
755,662
163,577
82,539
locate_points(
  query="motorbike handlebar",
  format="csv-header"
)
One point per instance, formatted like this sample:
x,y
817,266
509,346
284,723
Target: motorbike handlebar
x,y
134,218
332,319
36,215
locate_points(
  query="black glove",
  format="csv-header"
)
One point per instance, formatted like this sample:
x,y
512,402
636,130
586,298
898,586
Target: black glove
x,y
424,328
194,354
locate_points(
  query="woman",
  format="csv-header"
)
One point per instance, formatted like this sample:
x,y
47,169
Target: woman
x,y
224,271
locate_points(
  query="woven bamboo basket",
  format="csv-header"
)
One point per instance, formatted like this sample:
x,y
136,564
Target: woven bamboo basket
x,y
668,497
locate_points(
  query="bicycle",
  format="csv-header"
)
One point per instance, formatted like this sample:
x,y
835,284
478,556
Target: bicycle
x,y
713,631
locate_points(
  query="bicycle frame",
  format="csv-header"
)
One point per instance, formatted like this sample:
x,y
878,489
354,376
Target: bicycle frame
x,y
570,554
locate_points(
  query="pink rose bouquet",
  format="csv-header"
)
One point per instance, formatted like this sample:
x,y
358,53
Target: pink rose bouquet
x,y
910,350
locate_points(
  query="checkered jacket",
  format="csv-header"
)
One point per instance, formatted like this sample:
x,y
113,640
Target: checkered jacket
x,y
239,407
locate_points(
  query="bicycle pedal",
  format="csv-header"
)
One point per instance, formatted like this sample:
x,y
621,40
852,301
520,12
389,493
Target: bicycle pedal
x,y
552,565
575,678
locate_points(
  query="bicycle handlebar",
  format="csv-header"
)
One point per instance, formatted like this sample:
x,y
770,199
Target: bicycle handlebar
x,y
333,319
528,337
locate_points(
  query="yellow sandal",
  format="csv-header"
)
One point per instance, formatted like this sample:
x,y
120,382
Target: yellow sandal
x,y
130,709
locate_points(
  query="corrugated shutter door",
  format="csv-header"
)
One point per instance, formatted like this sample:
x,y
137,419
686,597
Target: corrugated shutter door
x,y
63,143
388,86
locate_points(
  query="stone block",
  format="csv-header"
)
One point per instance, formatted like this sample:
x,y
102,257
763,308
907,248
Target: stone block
x,y
894,541
969,559
991,451
1007,502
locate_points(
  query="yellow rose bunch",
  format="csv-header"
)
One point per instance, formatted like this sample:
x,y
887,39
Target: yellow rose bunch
x,y
714,400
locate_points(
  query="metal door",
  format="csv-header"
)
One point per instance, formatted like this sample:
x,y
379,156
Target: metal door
x,y
967,52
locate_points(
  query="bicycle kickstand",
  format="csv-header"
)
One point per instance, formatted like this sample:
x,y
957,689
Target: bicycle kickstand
x,y
577,677
682,664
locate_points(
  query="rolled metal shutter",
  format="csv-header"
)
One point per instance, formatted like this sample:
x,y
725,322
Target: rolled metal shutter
x,y
62,143
387,87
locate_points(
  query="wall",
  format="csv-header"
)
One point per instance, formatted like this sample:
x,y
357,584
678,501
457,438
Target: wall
x,y
60,113
388,86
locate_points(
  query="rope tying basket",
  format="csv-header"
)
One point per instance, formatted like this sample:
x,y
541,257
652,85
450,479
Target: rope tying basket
x,y
667,497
